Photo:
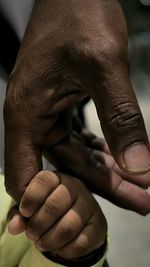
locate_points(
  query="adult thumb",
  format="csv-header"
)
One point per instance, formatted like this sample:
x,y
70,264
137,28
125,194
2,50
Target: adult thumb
x,y
122,121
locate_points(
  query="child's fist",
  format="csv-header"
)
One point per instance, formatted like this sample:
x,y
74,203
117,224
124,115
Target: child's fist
x,y
63,217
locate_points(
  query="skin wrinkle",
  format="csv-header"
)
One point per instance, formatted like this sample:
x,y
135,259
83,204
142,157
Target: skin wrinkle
x,y
88,58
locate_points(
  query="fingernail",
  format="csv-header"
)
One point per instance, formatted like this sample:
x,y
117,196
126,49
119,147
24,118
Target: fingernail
x,y
13,220
12,225
137,158
24,212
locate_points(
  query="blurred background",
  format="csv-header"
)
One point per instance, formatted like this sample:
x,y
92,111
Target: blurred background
x,y
129,233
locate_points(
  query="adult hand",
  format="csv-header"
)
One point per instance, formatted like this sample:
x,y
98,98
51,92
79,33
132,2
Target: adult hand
x,y
88,157
71,49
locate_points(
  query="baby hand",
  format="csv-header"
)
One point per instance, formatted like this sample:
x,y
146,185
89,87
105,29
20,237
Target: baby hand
x,y
63,216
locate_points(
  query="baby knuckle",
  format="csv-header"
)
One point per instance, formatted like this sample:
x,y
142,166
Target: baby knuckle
x,y
51,207
66,231
47,178
42,180
81,248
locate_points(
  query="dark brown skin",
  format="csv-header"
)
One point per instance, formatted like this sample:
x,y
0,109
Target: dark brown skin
x,y
72,49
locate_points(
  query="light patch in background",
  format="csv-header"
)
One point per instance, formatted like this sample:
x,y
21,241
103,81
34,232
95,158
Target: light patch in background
x,y
145,2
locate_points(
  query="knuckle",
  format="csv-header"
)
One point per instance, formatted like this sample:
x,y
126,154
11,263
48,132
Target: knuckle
x,y
42,181
47,178
124,116
81,247
51,207
66,231
102,54
70,185
112,50
113,47
18,90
